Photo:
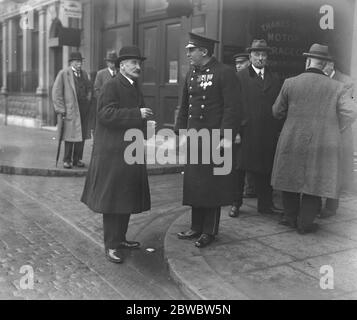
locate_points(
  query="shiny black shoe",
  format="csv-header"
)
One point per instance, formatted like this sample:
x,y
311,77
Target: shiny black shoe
x,y
113,255
129,245
79,164
204,240
67,165
234,212
190,234
311,229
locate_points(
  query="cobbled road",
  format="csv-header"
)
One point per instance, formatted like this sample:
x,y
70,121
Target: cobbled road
x,y
44,226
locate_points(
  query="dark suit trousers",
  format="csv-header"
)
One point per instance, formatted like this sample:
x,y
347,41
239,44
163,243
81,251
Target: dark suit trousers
x,y
264,191
73,151
205,220
240,181
115,227
301,209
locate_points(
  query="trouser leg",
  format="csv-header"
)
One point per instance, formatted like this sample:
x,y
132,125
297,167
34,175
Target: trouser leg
x,y
240,179
78,151
264,191
211,221
308,210
249,184
197,215
115,227
291,204
68,150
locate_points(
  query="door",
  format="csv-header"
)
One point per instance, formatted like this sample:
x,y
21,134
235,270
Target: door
x,y
160,43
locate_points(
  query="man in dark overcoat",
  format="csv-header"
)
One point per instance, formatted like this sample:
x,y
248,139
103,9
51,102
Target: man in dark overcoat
x,y
260,131
113,187
210,100
307,160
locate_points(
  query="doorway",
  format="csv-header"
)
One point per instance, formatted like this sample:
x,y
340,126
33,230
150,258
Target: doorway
x,y
160,43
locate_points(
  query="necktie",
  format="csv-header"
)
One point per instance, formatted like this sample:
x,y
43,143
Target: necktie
x,y
261,75
113,74
77,74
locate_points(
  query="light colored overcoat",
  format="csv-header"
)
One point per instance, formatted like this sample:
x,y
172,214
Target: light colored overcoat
x,y
317,110
64,99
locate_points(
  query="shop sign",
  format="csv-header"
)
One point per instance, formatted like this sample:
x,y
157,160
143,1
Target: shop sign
x,y
72,9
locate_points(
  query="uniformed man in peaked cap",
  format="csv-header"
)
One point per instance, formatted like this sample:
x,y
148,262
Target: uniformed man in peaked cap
x,y
210,100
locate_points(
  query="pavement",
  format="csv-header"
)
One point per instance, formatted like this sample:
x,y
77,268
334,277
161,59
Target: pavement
x,y
44,225
29,151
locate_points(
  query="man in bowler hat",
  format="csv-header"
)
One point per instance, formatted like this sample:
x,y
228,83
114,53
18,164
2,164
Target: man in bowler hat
x,y
210,100
107,73
113,187
71,96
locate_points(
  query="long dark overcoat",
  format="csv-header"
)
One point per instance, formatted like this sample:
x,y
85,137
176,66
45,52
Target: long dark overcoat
x,y
210,100
112,185
259,130
317,110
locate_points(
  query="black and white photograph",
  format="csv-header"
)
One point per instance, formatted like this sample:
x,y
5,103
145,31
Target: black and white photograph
x,y
197,152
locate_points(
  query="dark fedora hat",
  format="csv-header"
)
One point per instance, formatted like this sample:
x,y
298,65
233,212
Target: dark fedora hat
x,y
75,56
318,51
130,52
259,45
111,56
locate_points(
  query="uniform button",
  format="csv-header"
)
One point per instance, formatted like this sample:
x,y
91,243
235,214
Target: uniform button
x,y
191,79
204,97
190,96
207,70
201,117
190,88
189,116
202,106
190,105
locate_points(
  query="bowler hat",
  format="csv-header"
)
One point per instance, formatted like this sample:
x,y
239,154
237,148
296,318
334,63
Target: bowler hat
x,y
111,56
318,51
130,52
75,56
259,45
198,41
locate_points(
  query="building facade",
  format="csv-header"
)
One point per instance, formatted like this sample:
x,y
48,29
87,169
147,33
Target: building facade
x,y
37,36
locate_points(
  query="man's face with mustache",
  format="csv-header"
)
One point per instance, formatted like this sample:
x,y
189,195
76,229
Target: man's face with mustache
x,y
131,68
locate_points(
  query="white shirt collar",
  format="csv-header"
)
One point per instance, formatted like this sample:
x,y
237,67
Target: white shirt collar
x,y
130,80
111,71
332,74
257,71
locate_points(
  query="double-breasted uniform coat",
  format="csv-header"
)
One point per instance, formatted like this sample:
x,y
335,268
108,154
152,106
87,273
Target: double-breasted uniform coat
x,y
259,130
112,185
210,100
307,158
65,100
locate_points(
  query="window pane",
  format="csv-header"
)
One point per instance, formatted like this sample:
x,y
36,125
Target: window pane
x,y
109,12
124,10
172,53
150,52
154,5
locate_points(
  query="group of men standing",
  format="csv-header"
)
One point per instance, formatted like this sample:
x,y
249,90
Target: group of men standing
x,y
285,138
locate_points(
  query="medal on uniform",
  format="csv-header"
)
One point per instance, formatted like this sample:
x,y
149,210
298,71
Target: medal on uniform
x,y
206,81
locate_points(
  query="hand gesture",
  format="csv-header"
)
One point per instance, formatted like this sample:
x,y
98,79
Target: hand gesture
x,y
146,113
